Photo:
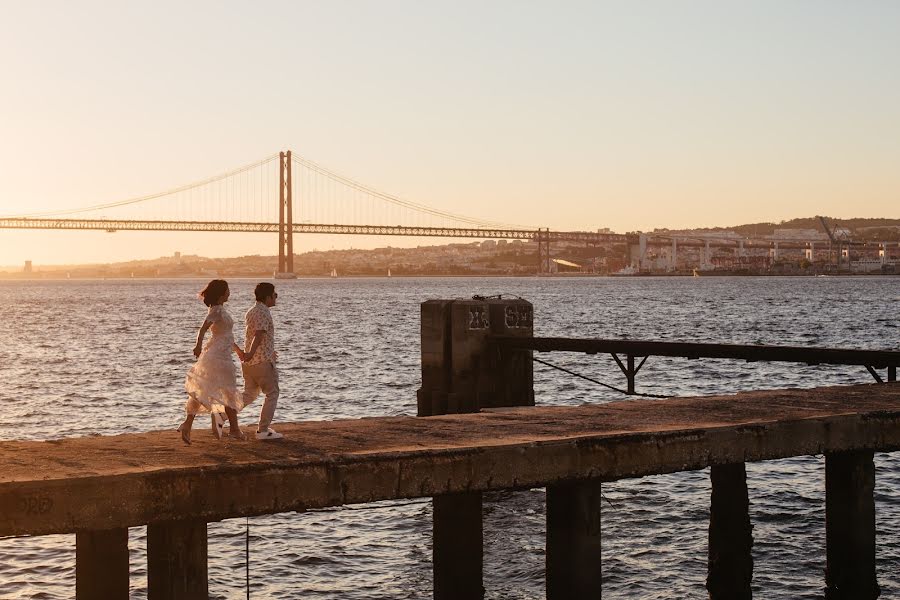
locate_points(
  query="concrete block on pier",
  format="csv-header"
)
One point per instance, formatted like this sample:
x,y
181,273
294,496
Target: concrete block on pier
x,y
461,371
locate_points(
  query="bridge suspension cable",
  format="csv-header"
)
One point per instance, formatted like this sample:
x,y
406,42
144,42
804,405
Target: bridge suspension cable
x,y
139,199
249,195
415,206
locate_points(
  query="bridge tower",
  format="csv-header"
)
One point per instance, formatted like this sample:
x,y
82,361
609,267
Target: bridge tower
x,y
543,241
285,215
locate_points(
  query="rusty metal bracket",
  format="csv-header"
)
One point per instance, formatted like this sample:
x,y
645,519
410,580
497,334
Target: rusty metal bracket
x,y
874,374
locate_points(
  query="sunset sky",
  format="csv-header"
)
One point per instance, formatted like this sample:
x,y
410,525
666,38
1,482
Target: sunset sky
x,y
569,115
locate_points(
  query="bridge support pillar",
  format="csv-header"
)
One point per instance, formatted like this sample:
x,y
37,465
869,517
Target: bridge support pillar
x,y
177,561
458,547
285,215
730,564
543,241
850,526
101,565
573,541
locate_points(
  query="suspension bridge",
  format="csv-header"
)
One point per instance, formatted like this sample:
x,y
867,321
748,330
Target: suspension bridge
x,y
286,194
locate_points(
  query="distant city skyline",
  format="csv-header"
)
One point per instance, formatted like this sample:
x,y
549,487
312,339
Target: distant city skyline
x,y
580,115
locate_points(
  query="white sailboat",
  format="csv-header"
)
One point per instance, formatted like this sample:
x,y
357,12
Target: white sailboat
x,y
389,272
333,272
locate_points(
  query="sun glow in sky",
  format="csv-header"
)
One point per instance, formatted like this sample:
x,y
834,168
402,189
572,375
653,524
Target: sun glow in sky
x,y
574,115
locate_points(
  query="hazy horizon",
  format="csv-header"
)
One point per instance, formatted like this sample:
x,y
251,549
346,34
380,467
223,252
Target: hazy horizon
x,y
579,115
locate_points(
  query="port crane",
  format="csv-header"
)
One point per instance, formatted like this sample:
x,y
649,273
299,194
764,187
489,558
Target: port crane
x,y
834,239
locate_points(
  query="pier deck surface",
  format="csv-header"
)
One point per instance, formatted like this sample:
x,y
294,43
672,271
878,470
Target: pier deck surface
x,y
93,483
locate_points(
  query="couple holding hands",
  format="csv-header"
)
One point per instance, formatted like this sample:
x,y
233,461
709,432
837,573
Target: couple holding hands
x,y
211,384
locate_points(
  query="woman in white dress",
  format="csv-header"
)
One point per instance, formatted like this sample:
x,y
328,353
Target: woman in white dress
x,y
211,383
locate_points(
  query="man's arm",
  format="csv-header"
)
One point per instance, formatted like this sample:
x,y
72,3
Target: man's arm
x,y
258,338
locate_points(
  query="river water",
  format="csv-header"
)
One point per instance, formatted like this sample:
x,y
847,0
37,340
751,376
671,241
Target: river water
x,y
108,357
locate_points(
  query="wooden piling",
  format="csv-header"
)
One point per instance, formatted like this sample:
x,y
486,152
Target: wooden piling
x,y
101,565
850,526
458,547
730,564
177,561
573,541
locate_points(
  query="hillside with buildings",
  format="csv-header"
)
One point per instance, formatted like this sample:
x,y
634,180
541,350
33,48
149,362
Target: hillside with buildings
x,y
799,246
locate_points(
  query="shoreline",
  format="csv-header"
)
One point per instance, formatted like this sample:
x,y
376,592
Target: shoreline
x,y
201,276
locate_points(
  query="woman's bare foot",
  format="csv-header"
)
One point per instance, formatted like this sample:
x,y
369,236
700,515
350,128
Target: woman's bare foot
x,y
236,434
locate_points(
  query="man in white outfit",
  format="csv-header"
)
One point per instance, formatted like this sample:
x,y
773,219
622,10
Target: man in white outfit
x,y
259,359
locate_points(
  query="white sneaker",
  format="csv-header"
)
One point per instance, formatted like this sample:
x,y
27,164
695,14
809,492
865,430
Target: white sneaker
x,y
218,423
268,434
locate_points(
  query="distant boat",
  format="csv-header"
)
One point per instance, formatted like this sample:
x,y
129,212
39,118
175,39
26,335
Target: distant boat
x,y
333,272
625,272
389,272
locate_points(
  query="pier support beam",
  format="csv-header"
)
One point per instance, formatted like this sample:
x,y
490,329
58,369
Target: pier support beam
x,y
573,541
101,565
730,566
458,547
850,526
176,561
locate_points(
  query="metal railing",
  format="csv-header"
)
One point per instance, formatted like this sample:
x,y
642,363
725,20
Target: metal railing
x,y
641,349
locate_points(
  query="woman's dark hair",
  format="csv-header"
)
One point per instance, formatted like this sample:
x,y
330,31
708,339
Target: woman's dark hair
x,y
213,292
263,290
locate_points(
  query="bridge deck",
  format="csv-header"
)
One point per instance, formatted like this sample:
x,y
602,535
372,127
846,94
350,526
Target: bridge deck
x,y
128,480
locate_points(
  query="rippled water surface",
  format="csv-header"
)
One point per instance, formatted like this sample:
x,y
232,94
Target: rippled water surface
x,y
106,357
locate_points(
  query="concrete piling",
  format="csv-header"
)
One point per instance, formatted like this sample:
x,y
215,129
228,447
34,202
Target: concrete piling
x,y
573,541
458,547
177,561
850,526
101,565
730,564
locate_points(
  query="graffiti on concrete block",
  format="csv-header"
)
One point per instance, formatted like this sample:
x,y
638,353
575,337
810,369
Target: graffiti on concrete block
x,y
519,316
36,505
478,318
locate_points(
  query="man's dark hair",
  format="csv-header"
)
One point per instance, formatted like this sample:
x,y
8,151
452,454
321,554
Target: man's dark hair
x,y
213,292
263,290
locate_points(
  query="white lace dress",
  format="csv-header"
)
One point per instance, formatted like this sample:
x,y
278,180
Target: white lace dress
x,y
211,383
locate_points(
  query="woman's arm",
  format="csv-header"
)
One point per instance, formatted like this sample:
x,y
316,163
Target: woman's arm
x,y
200,335
237,350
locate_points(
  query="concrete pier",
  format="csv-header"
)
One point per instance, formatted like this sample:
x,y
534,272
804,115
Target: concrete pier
x,y
89,485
